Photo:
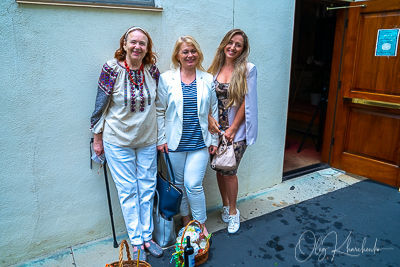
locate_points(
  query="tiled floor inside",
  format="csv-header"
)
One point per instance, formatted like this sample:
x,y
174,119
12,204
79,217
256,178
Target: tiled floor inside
x,y
307,156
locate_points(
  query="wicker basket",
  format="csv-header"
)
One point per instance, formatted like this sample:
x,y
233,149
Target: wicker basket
x,y
129,262
201,257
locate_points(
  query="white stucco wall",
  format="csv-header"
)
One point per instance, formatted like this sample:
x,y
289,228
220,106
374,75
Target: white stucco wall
x,y
51,60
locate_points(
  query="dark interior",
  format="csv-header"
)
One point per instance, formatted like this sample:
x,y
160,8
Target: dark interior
x,y
313,40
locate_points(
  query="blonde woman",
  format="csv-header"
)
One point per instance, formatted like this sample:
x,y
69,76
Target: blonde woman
x,y
235,81
185,97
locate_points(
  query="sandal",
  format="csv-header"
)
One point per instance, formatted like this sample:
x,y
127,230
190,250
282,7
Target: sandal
x,y
154,249
142,256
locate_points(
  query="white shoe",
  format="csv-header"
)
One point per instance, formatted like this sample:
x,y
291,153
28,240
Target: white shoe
x,y
234,222
225,214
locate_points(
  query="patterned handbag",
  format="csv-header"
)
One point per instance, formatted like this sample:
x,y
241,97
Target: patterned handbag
x,y
225,158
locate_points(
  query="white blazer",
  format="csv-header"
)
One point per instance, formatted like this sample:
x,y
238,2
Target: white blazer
x,y
169,107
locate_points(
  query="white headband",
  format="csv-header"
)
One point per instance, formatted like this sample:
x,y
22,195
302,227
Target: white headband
x,y
133,29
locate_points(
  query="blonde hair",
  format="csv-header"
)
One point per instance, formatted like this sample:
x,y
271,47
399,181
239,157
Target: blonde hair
x,y
238,85
190,41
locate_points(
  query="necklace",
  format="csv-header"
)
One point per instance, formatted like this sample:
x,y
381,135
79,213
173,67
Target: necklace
x,y
139,82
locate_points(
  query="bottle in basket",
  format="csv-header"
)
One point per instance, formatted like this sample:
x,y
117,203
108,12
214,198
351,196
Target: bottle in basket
x,y
188,253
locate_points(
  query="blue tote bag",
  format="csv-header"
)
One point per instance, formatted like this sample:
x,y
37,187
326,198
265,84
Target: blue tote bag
x,y
170,196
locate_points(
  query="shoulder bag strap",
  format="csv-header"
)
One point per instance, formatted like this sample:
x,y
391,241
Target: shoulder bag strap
x,y
169,165
170,172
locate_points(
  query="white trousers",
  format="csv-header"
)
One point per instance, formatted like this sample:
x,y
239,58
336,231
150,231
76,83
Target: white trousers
x,y
189,169
134,172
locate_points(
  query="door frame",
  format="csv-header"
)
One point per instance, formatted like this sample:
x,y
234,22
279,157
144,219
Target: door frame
x,y
334,85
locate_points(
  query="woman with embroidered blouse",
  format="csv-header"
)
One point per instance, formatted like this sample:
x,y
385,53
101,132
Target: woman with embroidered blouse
x,y
235,81
185,98
125,129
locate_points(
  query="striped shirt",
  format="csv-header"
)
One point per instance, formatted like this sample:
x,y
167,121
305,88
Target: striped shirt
x,y
192,137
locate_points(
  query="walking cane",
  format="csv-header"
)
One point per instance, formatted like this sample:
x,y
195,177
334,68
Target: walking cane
x,y
108,195
109,203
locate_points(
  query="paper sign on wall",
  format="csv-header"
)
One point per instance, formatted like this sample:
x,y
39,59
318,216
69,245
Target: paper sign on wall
x,y
387,42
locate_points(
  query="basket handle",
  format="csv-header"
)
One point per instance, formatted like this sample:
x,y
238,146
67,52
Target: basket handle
x,y
184,231
121,253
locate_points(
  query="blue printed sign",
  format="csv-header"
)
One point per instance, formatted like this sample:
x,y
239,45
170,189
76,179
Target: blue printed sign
x,y
387,42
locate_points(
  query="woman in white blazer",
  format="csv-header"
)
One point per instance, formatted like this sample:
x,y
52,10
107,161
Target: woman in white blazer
x,y
185,97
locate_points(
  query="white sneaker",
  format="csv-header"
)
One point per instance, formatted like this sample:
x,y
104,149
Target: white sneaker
x,y
225,213
234,222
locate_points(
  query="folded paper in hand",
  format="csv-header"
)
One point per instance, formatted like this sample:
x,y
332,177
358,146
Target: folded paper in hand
x,y
98,159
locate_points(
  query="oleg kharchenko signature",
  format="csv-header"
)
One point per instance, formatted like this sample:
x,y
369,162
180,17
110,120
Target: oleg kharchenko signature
x,y
323,249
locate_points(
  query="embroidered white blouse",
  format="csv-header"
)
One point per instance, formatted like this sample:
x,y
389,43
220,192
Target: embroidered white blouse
x,y
113,115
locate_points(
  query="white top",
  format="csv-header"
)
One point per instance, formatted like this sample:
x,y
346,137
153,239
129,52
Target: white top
x,y
249,129
170,107
121,126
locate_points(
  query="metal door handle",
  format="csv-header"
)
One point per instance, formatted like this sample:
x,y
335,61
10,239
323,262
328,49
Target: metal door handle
x,y
375,103
340,7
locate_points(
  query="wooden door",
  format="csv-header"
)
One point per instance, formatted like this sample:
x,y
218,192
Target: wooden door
x,y
362,133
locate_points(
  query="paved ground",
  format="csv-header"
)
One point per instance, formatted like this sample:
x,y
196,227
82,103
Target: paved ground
x,y
354,226
315,220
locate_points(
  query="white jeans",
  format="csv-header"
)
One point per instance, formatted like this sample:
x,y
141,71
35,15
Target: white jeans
x,y
134,172
189,169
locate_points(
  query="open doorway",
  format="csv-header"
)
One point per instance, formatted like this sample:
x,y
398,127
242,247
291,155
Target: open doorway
x,y
313,40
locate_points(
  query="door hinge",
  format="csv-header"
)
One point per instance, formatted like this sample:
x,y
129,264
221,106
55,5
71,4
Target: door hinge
x,y
332,141
340,85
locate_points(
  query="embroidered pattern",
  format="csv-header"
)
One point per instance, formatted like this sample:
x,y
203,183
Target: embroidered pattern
x,y
148,94
138,83
133,95
107,79
155,73
125,91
